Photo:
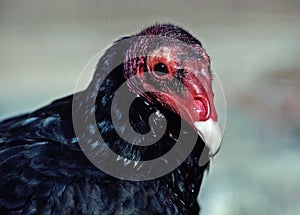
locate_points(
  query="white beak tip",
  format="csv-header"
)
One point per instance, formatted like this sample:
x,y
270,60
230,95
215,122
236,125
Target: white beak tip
x,y
211,134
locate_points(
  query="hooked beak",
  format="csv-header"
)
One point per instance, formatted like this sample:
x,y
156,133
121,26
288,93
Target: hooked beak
x,y
202,115
206,123
210,133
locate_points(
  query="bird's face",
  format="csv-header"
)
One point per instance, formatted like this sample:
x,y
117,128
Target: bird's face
x,y
179,78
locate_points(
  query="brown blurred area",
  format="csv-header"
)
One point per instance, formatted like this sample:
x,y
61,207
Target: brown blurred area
x,y
255,50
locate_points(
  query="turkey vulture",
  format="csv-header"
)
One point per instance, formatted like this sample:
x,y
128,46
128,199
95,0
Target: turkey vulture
x,y
50,158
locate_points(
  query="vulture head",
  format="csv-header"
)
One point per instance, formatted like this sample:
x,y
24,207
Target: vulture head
x,y
173,67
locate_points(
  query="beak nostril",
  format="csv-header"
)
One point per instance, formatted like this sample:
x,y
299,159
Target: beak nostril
x,y
203,107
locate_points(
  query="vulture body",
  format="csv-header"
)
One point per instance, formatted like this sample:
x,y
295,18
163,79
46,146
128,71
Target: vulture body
x,y
43,169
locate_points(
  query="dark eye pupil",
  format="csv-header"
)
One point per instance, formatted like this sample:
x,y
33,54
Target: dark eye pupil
x,y
160,69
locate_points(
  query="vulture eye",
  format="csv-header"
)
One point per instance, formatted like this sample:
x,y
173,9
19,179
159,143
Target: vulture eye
x,y
160,69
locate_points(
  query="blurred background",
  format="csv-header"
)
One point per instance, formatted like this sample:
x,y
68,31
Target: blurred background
x,y
255,49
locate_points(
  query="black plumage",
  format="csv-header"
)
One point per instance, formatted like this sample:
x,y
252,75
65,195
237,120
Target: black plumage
x,y
44,171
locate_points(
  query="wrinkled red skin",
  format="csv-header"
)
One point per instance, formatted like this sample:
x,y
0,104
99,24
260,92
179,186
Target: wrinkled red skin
x,y
195,103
